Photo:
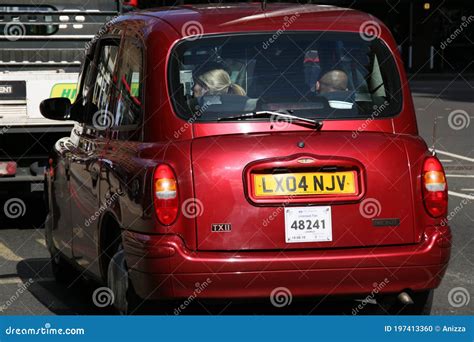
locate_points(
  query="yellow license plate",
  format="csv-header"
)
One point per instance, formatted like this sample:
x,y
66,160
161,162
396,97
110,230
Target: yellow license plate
x,y
310,183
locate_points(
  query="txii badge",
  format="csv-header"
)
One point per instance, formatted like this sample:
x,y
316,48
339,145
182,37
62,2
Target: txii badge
x,y
221,227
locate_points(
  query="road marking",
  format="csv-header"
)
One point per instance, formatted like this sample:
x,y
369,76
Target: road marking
x,y
457,194
7,254
467,189
18,280
41,241
460,176
10,281
454,155
446,160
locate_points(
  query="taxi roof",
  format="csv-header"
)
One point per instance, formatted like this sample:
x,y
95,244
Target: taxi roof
x,y
240,17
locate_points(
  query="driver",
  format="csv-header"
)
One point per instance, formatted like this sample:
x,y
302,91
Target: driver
x,y
333,86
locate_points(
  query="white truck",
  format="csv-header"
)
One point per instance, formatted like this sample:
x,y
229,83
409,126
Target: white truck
x,y
41,49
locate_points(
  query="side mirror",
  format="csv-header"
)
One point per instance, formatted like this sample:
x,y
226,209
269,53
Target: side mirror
x,y
56,108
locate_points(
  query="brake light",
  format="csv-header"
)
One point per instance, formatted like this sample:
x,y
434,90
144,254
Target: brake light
x,y
7,168
165,194
51,167
133,3
435,188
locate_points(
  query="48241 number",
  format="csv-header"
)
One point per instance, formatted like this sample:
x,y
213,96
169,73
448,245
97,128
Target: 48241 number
x,y
308,224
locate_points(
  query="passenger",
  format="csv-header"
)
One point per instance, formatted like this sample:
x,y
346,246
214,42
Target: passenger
x,y
312,68
333,86
216,82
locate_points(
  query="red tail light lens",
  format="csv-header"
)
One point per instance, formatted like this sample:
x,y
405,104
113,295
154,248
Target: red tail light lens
x,y
133,3
435,188
7,168
165,194
51,167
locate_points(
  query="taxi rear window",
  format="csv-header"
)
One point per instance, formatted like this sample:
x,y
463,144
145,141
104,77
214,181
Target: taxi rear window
x,y
319,75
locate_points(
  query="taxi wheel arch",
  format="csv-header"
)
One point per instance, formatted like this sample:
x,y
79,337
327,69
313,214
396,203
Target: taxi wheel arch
x,y
114,268
110,240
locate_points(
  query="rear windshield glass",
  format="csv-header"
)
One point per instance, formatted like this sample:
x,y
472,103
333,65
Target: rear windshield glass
x,y
317,75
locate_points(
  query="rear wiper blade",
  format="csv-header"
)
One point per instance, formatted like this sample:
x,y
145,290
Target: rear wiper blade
x,y
285,115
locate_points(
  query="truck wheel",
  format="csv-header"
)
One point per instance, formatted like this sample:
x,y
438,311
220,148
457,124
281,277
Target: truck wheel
x,y
126,300
63,272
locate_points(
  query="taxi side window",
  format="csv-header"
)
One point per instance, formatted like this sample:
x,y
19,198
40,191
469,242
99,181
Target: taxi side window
x,y
104,82
128,110
86,78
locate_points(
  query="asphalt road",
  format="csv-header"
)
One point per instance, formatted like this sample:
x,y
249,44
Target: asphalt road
x,y
451,102
28,288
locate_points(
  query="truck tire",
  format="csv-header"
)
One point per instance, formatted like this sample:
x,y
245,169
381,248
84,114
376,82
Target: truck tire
x,y
63,272
126,300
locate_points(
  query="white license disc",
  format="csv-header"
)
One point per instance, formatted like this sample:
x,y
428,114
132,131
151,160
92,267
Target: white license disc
x,y
308,224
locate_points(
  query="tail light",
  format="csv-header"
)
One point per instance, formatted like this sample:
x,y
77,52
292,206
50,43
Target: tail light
x,y
7,168
133,3
165,194
435,188
51,167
